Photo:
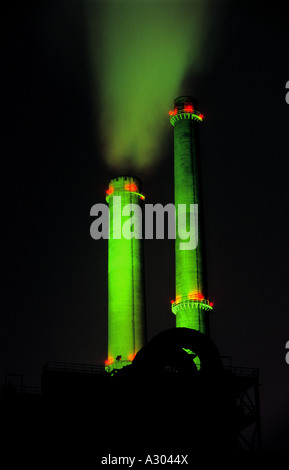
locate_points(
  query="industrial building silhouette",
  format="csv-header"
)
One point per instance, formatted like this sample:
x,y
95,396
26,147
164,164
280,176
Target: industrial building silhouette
x,y
168,407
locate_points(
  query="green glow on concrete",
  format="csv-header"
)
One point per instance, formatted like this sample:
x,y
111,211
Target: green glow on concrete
x,y
126,297
140,52
196,359
191,305
188,351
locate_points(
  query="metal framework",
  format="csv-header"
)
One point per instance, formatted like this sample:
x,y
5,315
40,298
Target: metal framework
x,y
246,385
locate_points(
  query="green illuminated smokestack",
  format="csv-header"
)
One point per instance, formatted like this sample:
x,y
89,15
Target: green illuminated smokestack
x,y
126,296
191,305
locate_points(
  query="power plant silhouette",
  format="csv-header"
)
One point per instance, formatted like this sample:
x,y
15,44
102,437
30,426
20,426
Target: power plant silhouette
x,y
174,393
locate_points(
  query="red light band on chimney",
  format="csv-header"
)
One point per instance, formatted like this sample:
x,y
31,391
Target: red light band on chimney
x,y
189,108
109,191
196,296
108,361
131,187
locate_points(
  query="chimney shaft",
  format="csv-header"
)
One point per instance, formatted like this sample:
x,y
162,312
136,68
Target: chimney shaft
x,y
126,292
191,305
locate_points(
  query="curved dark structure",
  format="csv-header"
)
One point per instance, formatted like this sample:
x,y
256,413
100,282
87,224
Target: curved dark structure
x,y
175,349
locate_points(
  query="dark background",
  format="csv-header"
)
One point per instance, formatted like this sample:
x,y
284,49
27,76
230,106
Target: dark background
x,y
54,275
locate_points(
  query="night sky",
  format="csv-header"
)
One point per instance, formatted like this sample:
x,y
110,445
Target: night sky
x,y
54,275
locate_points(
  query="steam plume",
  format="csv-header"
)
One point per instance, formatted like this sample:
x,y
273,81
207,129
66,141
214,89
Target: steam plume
x,y
141,51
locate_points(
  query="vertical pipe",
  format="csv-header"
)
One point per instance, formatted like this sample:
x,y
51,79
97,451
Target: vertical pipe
x,y
191,305
126,292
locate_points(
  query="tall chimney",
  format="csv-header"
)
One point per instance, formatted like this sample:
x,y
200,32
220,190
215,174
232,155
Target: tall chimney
x,y
126,292
191,305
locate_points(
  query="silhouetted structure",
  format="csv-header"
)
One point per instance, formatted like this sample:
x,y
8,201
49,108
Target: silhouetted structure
x,y
162,401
